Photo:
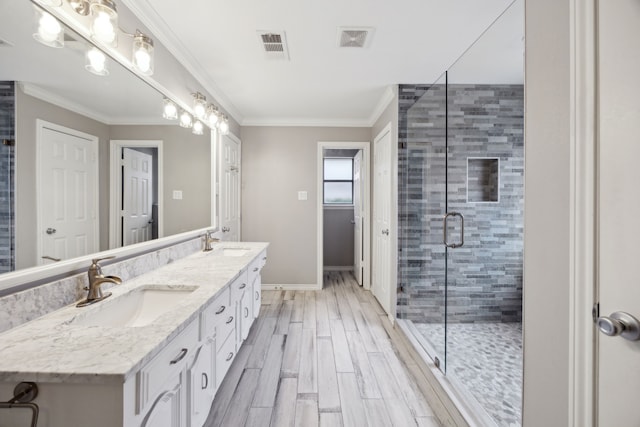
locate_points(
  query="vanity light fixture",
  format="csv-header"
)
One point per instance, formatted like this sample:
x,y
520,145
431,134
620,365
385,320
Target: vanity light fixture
x,y
170,110
198,128
143,53
49,32
223,126
81,7
213,116
186,121
96,62
104,22
199,105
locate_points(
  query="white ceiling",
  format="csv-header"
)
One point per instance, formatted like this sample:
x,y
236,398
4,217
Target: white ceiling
x,y
414,42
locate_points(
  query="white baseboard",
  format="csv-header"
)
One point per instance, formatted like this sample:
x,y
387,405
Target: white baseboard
x,y
338,268
292,287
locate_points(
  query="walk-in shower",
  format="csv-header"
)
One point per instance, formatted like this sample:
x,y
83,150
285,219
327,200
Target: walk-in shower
x,y
461,203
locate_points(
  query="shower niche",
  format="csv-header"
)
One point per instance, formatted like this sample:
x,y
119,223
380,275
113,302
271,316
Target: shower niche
x,y
483,179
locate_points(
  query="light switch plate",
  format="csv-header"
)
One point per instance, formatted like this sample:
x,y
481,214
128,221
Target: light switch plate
x,y
302,195
177,194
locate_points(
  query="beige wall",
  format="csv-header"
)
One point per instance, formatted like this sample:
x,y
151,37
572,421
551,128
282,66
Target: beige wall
x,y
547,243
28,109
186,167
277,162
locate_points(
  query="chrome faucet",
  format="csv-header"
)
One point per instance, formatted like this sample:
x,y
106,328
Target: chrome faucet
x,y
208,240
96,279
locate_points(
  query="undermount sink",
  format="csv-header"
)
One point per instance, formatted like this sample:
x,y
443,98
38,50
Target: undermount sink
x,y
233,251
139,307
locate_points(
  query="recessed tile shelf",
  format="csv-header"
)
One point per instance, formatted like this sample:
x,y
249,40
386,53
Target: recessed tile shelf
x,y
483,179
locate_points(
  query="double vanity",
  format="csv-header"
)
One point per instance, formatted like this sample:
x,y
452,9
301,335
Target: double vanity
x,y
152,354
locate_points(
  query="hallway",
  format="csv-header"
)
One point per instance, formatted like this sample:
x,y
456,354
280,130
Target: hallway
x,y
320,358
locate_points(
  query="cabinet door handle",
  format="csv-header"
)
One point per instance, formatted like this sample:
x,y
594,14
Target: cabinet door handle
x,y
264,259
255,269
205,380
257,295
246,312
230,356
220,310
230,319
244,285
179,357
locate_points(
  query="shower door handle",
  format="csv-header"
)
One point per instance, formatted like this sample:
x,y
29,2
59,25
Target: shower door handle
x,y
444,232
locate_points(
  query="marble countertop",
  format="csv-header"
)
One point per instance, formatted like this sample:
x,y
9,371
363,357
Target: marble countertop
x,y
54,349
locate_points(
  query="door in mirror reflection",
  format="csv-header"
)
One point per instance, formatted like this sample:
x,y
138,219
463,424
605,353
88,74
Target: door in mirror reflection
x,y
137,176
67,196
230,188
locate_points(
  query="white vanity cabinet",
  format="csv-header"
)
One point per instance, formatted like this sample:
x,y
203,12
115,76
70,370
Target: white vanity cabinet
x,y
201,381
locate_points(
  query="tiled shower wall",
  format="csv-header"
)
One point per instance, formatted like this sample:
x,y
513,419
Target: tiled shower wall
x,y
7,150
484,276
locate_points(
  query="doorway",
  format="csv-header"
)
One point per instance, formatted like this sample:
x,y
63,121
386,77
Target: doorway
x,y
136,192
67,193
344,210
230,188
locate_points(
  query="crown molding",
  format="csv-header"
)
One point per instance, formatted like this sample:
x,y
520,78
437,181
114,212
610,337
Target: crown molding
x,y
297,122
161,31
387,97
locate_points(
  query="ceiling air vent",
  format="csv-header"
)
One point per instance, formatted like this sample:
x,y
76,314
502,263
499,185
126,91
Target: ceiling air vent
x,y
274,44
355,36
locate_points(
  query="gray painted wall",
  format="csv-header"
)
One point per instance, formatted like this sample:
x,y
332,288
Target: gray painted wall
x,y
277,162
338,236
186,170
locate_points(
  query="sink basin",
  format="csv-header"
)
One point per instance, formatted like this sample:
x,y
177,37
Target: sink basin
x,y
140,307
234,251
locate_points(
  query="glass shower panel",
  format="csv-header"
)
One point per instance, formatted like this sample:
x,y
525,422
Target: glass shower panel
x,y
485,177
422,155
7,166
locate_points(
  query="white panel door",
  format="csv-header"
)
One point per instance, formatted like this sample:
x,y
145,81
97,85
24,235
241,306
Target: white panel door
x,y
381,262
137,176
67,195
230,188
619,206
358,217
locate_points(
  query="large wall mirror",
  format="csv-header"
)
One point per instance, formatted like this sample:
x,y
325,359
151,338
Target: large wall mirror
x,y
87,163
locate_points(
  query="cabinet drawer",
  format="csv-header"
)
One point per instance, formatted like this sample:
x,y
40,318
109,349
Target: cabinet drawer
x,y
170,361
216,313
256,265
239,287
224,358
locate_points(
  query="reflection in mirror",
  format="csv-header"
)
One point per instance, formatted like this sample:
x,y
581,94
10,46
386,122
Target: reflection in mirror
x,y
84,144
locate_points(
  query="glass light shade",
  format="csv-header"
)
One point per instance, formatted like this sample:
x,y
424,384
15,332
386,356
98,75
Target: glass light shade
x,y
104,22
198,128
170,110
143,54
212,116
49,30
199,105
186,121
223,126
96,62
81,7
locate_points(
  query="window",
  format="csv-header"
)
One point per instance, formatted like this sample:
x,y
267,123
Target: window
x,y
338,181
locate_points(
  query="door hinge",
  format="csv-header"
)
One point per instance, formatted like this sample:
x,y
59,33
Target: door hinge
x,y
595,312
402,145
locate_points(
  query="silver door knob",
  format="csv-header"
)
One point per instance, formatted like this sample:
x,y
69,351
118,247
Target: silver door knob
x,y
225,229
620,323
51,230
386,232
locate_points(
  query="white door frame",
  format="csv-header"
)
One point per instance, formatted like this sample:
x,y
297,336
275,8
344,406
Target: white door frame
x,y
115,185
366,203
91,139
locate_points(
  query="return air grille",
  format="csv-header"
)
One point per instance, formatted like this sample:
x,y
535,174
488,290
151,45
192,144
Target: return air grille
x,y
354,36
274,44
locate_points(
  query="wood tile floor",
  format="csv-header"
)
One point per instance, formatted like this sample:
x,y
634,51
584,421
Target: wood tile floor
x,y
320,358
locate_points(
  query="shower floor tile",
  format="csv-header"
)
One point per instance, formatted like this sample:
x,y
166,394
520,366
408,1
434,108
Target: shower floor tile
x,y
486,360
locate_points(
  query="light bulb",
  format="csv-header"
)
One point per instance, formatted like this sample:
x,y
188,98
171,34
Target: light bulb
x,y
49,31
142,60
198,128
212,115
97,62
170,111
185,120
103,28
199,110
224,126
